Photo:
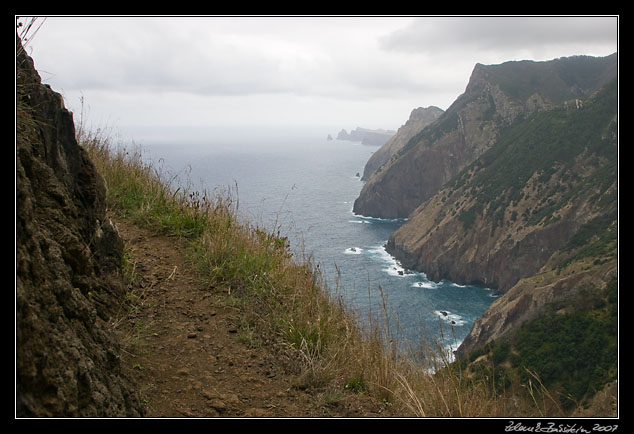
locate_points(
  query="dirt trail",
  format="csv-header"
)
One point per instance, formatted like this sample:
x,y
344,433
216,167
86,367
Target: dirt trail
x,y
180,343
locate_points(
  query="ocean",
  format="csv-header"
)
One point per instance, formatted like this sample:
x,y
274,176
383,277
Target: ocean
x,y
304,186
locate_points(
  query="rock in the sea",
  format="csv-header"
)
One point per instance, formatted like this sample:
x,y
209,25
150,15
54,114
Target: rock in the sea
x,y
366,136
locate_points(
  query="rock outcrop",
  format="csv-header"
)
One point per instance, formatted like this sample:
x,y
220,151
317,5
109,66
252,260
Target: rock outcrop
x,y
494,98
418,119
530,297
68,282
366,136
535,216
511,210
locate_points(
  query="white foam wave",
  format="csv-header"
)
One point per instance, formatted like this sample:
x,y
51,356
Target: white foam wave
x,y
426,284
376,219
392,266
450,318
395,271
353,251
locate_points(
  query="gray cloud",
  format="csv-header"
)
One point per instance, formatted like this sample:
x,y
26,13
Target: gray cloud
x,y
351,71
532,34
225,56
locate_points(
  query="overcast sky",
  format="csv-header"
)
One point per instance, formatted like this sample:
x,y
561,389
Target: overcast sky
x,y
163,76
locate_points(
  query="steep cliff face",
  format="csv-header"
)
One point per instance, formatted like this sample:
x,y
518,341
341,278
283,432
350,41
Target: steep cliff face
x,y
514,186
418,119
68,284
522,200
534,217
495,97
532,296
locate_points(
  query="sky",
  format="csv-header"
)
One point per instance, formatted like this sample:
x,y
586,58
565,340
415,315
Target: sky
x,y
162,78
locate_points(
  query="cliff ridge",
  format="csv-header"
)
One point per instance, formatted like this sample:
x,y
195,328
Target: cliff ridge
x,y
495,97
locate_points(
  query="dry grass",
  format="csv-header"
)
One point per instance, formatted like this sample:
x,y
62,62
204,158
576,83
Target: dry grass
x,y
285,303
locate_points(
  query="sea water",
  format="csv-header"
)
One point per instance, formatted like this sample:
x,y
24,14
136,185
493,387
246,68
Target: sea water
x,y
304,186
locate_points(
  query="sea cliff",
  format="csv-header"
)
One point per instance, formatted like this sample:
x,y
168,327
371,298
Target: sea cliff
x,y
419,118
513,187
495,97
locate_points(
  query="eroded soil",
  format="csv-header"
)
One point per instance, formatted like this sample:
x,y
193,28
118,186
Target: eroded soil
x,y
182,344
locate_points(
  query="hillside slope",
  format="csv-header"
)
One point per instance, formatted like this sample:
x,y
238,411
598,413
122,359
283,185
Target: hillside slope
x,y
191,353
536,218
534,215
495,97
548,183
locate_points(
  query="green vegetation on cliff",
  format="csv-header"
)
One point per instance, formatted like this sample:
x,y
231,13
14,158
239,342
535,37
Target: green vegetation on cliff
x,y
568,156
571,348
536,216
557,80
547,143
